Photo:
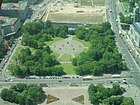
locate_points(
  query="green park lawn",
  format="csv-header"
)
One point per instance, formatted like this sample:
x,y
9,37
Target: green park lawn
x,y
125,5
53,40
85,43
68,68
98,2
86,3
17,51
65,58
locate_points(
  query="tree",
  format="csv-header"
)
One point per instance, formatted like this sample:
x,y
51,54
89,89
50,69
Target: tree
x,y
4,94
117,90
62,34
20,87
128,101
35,93
113,101
80,32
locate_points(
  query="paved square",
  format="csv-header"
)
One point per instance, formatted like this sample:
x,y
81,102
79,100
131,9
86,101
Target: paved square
x,y
66,94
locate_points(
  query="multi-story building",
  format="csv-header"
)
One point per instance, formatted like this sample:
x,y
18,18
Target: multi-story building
x,y
9,26
19,9
31,2
134,34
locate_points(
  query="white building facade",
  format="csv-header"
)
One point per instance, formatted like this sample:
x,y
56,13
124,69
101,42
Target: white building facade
x,y
134,34
10,26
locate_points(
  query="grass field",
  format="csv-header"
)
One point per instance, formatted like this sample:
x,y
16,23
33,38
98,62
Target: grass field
x,y
17,52
98,2
86,3
125,4
65,58
89,2
85,43
68,68
76,18
53,40
66,1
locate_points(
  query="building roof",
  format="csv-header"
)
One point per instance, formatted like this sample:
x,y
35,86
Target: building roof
x,y
137,26
4,21
19,5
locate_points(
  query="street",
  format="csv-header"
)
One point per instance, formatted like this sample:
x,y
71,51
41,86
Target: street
x,y
122,45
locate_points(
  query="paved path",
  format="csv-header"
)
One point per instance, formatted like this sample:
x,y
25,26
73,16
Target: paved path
x,y
68,47
66,94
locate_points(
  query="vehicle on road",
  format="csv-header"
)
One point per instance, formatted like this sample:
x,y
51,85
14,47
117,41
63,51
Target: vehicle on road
x,y
120,32
116,76
73,84
89,77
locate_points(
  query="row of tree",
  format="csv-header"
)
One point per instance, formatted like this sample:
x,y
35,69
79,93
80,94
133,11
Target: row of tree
x,y
102,56
36,58
22,94
4,46
108,96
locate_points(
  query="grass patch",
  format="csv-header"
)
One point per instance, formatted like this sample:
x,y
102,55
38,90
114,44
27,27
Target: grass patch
x,y
77,54
55,54
85,43
66,1
98,2
68,68
79,99
86,3
17,52
125,5
88,18
51,99
53,40
65,58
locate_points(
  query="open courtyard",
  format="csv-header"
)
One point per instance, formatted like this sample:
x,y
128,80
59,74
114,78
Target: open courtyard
x,y
69,12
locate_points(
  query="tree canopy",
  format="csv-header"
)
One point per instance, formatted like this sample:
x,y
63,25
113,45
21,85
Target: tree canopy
x,y
102,56
36,57
22,94
108,96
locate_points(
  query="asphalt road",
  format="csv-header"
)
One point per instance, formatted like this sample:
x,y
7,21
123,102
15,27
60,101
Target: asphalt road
x,y
64,82
122,45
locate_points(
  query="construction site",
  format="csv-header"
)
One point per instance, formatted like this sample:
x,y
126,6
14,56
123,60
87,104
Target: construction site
x,y
72,11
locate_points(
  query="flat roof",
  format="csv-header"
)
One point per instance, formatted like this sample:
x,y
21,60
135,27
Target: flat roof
x,y
4,21
137,26
19,5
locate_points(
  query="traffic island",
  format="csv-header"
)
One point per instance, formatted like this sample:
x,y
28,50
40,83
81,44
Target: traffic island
x,y
51,99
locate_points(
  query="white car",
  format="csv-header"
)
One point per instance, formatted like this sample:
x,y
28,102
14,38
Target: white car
x,y
110,10
11,80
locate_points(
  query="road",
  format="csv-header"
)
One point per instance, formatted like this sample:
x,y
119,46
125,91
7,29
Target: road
x,y
64,82
112,16
38,12
39,9
122,45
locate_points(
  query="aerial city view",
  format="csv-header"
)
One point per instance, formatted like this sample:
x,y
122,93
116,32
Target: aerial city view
x,y
69,52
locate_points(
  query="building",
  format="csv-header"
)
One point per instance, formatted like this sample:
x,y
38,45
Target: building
x,y
19,9
134,34
9,26
31,2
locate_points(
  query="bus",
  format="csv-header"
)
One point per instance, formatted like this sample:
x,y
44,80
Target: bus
x,y
116,76
89,77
